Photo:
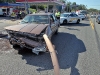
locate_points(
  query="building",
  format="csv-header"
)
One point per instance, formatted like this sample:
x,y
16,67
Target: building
x,y
55,3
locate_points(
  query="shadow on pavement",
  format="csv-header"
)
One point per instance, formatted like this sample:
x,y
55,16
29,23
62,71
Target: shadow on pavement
x,y
86,19
74,24
68,47
73,29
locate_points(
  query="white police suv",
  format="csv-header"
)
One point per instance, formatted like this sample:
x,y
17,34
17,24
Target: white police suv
x,y
69,18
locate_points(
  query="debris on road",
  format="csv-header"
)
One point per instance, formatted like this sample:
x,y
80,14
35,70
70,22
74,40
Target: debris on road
x,y
5,45
3,34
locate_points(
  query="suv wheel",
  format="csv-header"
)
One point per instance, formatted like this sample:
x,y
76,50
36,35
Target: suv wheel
x,y
4,14
78,21
65,22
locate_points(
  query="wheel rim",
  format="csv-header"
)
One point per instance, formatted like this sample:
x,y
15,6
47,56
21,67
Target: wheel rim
x,y
78,21
65,22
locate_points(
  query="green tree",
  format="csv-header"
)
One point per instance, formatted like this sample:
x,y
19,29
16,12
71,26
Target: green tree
x,y
82,7
10,1
63,1
68,6
92,10
74,3
74,6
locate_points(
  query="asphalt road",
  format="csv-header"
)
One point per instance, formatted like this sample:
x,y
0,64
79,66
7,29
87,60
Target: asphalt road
x,y
78,54
6,21
97,30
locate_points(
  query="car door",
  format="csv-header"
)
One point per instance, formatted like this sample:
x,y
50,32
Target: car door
x,y
72,18
98,19
53,24
57,22
75,18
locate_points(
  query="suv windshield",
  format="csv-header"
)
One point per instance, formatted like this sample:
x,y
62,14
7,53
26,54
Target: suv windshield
x,y
64,15
36,19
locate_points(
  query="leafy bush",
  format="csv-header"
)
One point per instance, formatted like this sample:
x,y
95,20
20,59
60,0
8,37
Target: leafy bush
x,y
32,10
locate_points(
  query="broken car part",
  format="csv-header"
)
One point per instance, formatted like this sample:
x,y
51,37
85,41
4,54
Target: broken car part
x,y
53,55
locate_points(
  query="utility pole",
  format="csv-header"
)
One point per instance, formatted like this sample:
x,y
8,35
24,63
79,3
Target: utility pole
x,y
26,6
67,5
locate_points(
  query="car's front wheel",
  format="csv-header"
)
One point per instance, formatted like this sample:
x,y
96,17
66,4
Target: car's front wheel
x,y
78,21
65,21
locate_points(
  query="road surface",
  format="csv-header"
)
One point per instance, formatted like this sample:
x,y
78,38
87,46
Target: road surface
x,y
77,52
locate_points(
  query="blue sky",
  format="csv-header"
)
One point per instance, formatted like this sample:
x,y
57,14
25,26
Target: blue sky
x,y
89,3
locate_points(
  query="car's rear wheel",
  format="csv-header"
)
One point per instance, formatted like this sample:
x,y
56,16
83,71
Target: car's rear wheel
x,y
82,18
78,21
65,21
4,14
98,22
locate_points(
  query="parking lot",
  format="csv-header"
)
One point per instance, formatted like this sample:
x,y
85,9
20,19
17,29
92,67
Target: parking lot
x,y
77,52
8,21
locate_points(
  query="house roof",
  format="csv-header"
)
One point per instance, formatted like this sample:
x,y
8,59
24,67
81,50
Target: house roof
x,y
49,2
10,4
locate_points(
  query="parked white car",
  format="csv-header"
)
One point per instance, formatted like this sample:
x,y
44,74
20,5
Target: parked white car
x,y
4,11
93,16
82,16
69,18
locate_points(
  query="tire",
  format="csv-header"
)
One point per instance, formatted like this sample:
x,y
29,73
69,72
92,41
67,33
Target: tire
x,y
65,21
82,18
4,14
78,21
56,32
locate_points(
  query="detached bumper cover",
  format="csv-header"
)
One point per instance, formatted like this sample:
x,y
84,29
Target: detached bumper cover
x,y
30,42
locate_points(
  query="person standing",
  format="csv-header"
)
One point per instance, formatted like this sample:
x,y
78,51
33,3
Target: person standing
x,y
57,14
20,14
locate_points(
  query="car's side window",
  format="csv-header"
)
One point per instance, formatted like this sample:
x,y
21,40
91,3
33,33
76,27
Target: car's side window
x,y
71,15
54,17
51,17
75,15
32,19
